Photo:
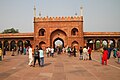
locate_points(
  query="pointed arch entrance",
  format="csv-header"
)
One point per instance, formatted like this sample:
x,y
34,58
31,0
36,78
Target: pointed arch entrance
x,y
20,43
76,44
58,37
105,43
12,45
6,45
58,43
97,44
27,43
112,43
90,43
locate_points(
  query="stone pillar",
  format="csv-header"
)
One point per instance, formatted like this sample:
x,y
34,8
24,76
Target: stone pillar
x,y
23,42
9,45
101,43
109,43
116,42
93,44
16,44
2,44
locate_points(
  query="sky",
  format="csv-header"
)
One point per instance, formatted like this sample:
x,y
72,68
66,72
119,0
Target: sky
x,y
99,15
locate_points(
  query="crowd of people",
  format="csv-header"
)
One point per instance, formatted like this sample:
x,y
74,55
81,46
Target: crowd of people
x,y
105,53
84,53
33,55
38,54
50,52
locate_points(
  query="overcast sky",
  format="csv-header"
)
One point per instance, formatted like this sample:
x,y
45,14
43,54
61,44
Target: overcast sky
x,y
99,15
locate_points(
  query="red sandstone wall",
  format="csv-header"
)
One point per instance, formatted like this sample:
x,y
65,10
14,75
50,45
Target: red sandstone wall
x,y
63,26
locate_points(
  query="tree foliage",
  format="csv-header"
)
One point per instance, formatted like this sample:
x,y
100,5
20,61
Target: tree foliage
x,y
12,30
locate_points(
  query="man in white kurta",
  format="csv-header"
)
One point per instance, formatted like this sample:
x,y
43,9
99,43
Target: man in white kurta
x,y
52,52
30,56
85,53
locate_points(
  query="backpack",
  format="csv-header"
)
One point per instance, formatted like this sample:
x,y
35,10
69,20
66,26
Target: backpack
x,y
36,53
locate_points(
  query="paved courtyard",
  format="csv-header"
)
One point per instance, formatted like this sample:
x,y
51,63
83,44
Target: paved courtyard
x,y
61,67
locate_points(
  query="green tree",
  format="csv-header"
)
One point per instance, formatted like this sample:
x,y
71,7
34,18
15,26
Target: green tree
x,y
12,30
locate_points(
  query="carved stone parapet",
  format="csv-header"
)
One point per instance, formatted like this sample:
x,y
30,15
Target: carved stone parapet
x,y
69,18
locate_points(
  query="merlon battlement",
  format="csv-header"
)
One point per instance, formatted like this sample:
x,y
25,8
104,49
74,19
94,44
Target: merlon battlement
x,y
69,18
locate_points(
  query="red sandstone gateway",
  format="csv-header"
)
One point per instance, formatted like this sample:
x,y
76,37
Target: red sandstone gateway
x,y
69,30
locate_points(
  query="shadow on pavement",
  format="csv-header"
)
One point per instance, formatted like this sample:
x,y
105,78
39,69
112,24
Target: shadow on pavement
x,y
46,64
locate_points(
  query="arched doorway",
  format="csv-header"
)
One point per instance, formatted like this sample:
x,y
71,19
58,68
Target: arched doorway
x,y
97,44
105,43
76,44
74,31
42,32
90,44
20,43
27,43
58,43
58,35
6,45
12,45
112,43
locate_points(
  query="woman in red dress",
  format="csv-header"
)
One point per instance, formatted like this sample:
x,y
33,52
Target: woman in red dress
x,y
104,57
89,52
